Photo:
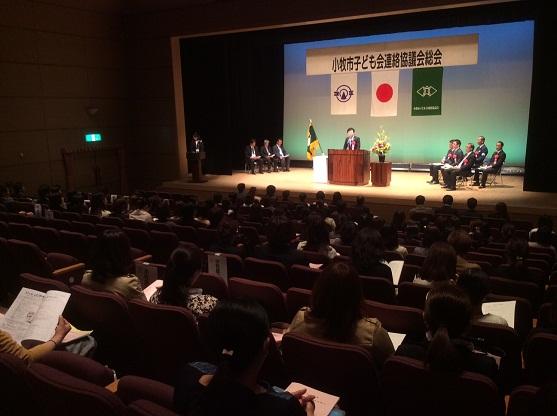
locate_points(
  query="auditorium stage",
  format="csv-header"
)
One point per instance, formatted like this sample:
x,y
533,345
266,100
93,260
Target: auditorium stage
x,y
404,188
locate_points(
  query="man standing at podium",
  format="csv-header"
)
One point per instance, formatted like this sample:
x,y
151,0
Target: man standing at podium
x,y
196,144
352,142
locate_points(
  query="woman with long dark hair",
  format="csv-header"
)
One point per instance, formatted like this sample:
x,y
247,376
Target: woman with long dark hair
x,y
336,313
367,254
439,264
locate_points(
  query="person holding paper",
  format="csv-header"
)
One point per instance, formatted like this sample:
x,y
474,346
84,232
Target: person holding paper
x,y
9,346
335,313
183,267
476,285
110,265
253,157
445,349
282,156
238,335
463,168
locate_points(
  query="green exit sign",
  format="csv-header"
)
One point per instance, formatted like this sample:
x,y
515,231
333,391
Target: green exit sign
x,y
93,137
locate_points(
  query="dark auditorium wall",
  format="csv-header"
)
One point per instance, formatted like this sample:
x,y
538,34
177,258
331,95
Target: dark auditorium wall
x,y
58,57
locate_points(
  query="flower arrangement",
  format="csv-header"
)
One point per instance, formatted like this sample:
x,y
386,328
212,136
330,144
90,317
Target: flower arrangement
x,y
381,145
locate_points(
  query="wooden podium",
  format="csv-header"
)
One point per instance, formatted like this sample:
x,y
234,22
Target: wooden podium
x,y
348,167
380,173
194,165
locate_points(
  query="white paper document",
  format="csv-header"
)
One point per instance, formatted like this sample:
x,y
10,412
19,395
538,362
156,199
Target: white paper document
x,y
503,309
217,264
396,269
396,338
152,288
324,402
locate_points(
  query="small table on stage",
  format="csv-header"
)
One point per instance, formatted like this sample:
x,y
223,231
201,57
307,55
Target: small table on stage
x,y
195,160
380,173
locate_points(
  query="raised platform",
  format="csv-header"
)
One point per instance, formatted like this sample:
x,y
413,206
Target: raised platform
x,y
400,195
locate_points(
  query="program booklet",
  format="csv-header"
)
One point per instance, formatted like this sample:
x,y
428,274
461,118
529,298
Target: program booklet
x,y
324,402
34,315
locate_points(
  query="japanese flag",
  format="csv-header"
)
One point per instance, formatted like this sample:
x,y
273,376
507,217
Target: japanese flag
x,y
384,93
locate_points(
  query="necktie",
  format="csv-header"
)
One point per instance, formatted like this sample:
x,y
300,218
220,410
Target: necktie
x,y
252,152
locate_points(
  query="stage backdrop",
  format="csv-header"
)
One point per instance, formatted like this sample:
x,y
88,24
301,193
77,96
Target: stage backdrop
x,y
490,98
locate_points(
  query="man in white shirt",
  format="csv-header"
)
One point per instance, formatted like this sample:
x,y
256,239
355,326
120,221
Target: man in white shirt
x,y
282,155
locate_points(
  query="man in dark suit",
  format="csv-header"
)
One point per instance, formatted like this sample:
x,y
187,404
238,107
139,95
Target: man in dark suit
x,y
352,142
464,168
196,145
480,153
253,157
434,168
282,155
495,164
268,156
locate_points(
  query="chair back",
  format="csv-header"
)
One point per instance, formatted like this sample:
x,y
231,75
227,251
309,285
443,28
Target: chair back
x,y
163,244
522,313
303,277
21,231
329,368
139,238
28,258
515,288
84,227
170,335
48,239
207,237
211,284
16,394
185,233
412,294
78,366
234,264
296,299
378,289
267,294
521,401
76,244
540,358
266,271
411,389
395,318
159,226
42,284
118,222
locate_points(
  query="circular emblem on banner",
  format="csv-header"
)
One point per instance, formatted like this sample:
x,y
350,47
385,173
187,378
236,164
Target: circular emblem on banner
x,y
384,92
343,93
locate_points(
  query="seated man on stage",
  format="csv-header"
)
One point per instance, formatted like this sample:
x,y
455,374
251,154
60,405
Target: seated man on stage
x,y
352,142
464,168
282,155
495,164
434,168
253,157
268,157
480,153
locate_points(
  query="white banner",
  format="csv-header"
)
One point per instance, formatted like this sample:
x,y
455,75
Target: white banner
x,y
416,53
344,97
384,93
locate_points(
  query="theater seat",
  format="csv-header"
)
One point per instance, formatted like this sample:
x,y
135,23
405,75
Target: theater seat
x,y
267,294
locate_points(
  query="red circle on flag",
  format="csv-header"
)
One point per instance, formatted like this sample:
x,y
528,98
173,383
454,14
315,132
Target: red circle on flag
x,y
384,92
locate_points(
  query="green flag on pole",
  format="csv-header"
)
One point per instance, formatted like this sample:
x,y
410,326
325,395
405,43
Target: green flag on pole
x,y
427,87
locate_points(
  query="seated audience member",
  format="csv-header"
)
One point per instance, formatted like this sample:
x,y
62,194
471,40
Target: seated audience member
x,y
515,266
398,222
110,265
476,285
439,265
447,207
336,313
280,233
543,239
228,239
268,156
470,213
98,206
368,254
253,157
138,211
390,240
431,235
283,157
543,220
462,243
182,269
237,332
337,199
346,234
270,197
241,191
317,237
302,199
28,355
508,231
501,212
420,210
119,208
202,215
480,233
495,164
320,201
447,316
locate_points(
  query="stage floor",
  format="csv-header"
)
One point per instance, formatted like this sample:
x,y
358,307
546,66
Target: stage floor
x,y
402,191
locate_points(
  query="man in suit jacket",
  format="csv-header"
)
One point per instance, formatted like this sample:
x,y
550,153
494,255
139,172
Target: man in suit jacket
x,y
434,168
495,164
352,142
480,153
196,145
268,156
253,157
464,168
282,155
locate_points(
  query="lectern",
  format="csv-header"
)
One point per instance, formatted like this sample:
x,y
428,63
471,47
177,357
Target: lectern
x,y
348,167
194,165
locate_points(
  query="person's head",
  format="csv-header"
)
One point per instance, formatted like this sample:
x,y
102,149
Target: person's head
x,y
196,136
399,218
469,147
432,234
97,203
271,190
348,232
302,197
337,197
360,200
480,140
237,332
266,142
119,207
420,200
544,236
280,232
279,142
456,143
367,248
476,285
451,144
545,221
320,195
440,263
241,187
252,143
183,266
390,237
447,315
499,145
111,255
337,300
136,202
471,203
227,230
448,200
461,241
350,131
317,233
